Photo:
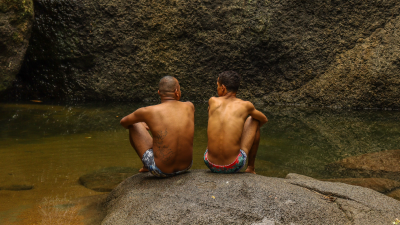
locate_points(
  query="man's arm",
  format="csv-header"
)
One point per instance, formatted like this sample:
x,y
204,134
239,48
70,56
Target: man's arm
x,y
257,114
135,117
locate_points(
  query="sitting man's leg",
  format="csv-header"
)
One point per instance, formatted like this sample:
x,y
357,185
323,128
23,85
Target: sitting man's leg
x,y
250,141
140,140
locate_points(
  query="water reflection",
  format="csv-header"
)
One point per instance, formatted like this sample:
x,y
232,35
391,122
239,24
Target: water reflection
x,y
50,146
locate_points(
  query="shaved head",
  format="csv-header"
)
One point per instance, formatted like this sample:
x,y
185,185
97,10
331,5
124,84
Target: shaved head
x,y
168,84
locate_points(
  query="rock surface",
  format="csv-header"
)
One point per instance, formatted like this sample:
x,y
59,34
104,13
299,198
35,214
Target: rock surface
x,y
395,194
315,137
16,187
16,19
287,51
378,184
85,210
366,75
383,164
201,197
106,179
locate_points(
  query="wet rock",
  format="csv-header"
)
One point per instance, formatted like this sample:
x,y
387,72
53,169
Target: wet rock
x,y
382,164
91,208
16,187
16,18
106,179
85,210
332,134
395,194
287,51
202,197
378,184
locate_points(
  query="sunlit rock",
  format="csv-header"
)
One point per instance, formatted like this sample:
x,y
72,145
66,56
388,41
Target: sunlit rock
x,y
378,184
383,164
202,197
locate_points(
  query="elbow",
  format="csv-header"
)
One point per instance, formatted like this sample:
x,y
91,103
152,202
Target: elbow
x,y
123,123
264,121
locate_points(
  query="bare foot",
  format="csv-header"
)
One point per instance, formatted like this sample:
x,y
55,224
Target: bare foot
x,y
250,170
143,170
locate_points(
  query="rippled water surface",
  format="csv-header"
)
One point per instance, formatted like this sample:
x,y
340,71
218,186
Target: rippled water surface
x,y
49,146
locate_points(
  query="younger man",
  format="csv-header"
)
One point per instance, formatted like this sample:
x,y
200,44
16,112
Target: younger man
x,y
232,133
169,152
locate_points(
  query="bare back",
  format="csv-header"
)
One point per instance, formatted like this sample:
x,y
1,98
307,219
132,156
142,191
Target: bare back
x,y
226,118
172,128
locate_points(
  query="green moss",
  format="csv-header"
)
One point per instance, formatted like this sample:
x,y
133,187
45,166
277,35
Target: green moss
x,y
23,9
17,38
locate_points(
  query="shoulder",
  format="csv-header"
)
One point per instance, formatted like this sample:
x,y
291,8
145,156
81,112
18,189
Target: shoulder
x,y
190,104
248,105
143,111
149,108
212,100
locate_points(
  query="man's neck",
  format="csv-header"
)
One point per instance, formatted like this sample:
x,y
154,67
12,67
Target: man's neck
x,y
165,99
229,95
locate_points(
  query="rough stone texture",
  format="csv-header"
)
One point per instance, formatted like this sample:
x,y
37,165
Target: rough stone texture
x,y
106,179
201,197
367,75
287,51
383,164
16,18
378,184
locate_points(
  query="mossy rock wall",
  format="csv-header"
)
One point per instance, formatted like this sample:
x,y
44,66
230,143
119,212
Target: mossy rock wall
x,y
16,17
287,51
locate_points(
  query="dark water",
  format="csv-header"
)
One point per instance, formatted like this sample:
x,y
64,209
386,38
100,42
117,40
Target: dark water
x,y
50,146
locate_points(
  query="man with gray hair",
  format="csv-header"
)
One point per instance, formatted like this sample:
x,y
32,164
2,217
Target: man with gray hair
x,y
169,152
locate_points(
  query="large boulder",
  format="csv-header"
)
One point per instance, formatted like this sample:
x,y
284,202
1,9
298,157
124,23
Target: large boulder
x,y
378,184
16,18
367,75
384,164
202,197
287,51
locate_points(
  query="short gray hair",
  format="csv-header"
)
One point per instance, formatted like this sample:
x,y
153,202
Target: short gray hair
x,y
167,84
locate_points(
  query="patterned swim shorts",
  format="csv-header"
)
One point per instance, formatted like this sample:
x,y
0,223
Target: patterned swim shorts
x,y
234,167
148,162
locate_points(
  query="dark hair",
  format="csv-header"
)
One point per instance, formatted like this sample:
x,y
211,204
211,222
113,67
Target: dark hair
x,y
167,84
230,79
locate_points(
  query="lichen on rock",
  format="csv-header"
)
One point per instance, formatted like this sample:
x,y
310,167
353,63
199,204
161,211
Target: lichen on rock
x,y
16,17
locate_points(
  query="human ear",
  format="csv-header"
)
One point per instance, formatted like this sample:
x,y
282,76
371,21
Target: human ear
x,y
176,92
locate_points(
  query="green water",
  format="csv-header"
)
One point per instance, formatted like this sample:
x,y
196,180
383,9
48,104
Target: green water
x,y
50,146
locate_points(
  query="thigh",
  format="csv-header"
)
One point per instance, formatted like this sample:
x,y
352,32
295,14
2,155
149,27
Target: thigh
x,y
249,133
140,138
